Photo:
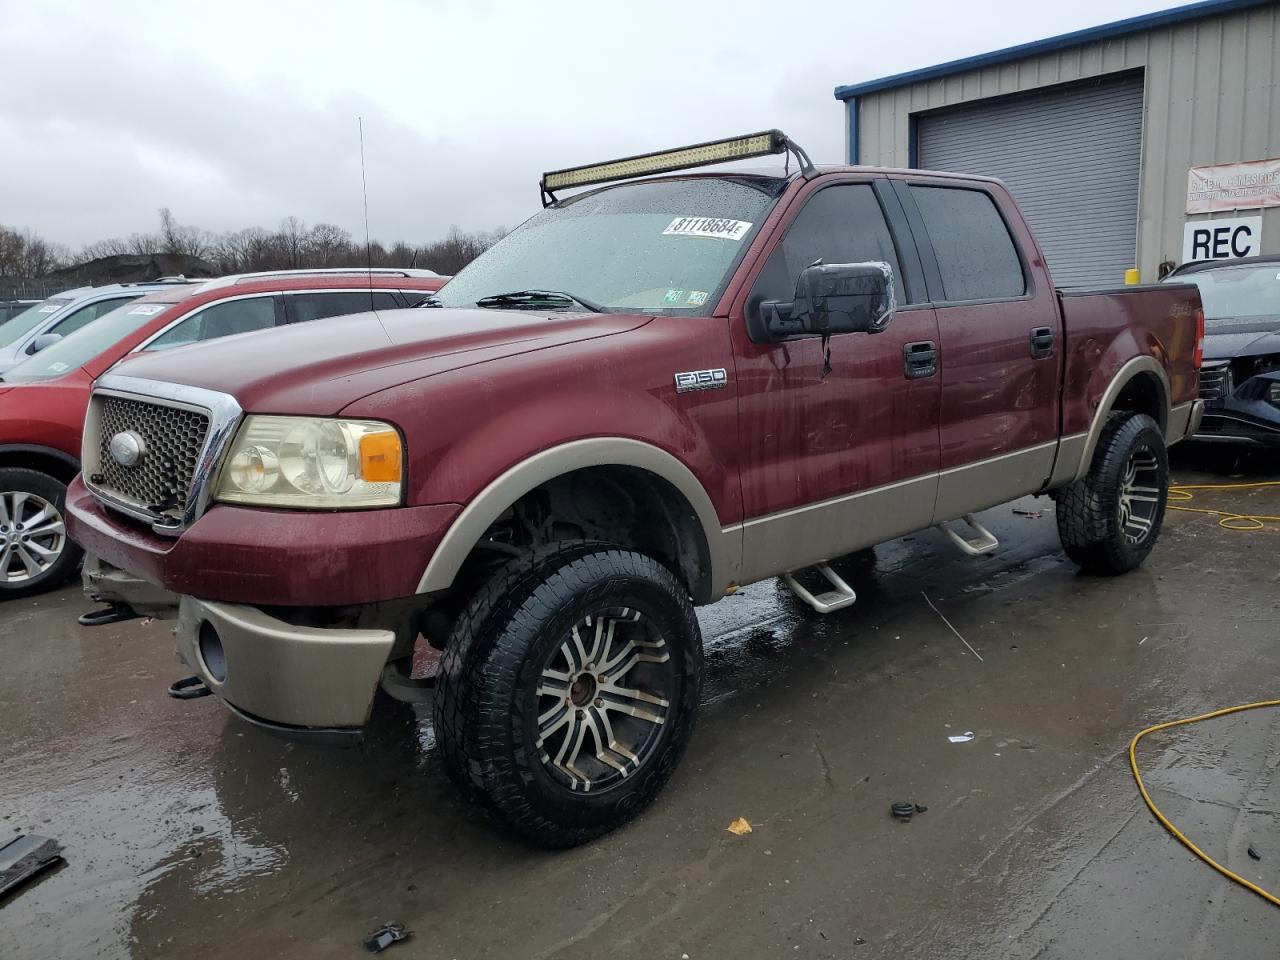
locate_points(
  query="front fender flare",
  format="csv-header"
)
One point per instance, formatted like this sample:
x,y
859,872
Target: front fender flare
x,y
724,545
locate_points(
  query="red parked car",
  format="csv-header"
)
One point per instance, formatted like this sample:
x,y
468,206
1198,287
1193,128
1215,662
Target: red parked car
x,y
43,400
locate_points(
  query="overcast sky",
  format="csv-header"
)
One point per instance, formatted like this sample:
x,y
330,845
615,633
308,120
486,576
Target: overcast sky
x,y
241,113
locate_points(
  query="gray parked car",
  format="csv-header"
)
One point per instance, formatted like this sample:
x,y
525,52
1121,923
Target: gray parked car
x,y
50,320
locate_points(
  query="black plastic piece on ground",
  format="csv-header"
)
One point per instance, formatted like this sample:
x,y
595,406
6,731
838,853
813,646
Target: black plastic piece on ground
x,y
1254,853
903,811
189,688
921,808
25,857
385,936
111,613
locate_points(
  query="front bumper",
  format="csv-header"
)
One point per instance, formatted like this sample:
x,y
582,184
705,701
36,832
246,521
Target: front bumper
x,y
1240,420
303,680
270,557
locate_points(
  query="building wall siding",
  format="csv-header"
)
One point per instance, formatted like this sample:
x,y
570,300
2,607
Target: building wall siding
x,y
1211,97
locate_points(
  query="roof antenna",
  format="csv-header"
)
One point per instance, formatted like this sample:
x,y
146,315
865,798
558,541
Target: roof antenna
x,y
364,186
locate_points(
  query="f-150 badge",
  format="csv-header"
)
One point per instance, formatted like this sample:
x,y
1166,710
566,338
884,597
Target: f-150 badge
x,y
701,380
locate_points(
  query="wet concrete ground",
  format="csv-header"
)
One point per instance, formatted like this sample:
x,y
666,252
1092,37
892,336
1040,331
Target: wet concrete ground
x,y
188,833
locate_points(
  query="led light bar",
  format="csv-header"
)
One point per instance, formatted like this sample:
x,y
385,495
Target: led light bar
x,y
665,161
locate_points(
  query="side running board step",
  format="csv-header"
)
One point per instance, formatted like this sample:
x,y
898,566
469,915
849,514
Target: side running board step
x,y
830,601
984,540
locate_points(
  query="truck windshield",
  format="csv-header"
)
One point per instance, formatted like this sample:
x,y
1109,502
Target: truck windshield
x,y
15,328
1237,292
665,246
79,348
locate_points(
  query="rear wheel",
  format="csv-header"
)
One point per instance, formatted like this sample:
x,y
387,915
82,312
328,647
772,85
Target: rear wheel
x,y
568,690
1110,519
35,553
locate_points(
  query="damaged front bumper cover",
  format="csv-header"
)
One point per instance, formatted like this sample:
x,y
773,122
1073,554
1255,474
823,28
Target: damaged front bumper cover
x,y
1248,413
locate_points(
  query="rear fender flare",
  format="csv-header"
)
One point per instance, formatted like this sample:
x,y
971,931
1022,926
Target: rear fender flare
x,y
1079,467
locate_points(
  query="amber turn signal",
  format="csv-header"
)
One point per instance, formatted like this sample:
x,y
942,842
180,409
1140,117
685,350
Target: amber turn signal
x,y
380,457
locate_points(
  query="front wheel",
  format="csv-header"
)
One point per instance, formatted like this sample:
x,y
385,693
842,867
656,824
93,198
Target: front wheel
x,y
568,690
1109,520
35,554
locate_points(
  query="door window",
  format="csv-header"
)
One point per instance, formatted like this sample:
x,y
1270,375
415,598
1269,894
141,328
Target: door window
x,y
976,256
317,306
220,320
841,224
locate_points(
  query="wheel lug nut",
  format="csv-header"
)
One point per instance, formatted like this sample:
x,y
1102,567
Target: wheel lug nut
x,y
599,702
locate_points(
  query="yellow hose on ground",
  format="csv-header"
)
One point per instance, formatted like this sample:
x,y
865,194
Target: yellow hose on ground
x,y
1181,493
1133,763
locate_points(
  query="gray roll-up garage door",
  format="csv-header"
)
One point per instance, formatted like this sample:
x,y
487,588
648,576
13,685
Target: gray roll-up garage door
x,y
1071,157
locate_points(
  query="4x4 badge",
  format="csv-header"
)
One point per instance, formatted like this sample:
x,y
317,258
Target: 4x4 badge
x,y
691,380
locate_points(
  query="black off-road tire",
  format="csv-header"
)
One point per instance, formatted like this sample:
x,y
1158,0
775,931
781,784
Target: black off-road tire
x,y
486,700
54,492
1090,516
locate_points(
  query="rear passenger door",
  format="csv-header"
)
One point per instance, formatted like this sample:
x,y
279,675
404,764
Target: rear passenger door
x,y
318,304
1001,343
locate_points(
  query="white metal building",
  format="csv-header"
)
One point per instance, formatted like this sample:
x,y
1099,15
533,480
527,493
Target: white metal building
x,y
1110,138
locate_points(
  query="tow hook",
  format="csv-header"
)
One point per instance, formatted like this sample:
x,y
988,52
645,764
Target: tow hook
x,y
189,688
113,612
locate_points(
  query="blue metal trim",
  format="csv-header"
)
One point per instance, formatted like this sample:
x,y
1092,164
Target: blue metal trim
x,y
852,104
1108,31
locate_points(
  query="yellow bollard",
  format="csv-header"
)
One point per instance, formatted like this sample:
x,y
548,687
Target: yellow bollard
x,y
1132,276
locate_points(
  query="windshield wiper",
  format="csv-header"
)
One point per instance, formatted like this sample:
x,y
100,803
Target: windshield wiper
x,y
529,299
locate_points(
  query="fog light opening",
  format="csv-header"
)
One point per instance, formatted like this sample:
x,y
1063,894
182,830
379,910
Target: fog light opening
x,y
211,653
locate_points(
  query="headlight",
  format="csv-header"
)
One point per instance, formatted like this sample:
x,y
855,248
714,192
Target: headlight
x,y
313,463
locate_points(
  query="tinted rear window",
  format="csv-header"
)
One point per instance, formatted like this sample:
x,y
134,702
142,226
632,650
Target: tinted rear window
x,y
976,255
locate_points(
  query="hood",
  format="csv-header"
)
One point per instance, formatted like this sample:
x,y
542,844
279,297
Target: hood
x,y
322,366
1227,339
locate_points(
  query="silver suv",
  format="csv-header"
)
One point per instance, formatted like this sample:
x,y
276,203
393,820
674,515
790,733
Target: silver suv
x,y
64,313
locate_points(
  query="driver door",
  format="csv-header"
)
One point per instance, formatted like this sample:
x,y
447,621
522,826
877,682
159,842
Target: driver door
x,y
833,463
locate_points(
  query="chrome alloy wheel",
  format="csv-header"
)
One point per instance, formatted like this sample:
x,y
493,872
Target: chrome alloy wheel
x,y
1140,495
32,536
603,698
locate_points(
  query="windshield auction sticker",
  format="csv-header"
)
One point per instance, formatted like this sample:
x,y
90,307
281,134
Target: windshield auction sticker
x,y
717,228
147,309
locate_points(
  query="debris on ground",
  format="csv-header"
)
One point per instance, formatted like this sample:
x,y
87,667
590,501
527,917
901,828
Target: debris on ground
x,y
961,737
25,857
1033,514
739,827
385,936
1254,853
921,808
902,811
951,628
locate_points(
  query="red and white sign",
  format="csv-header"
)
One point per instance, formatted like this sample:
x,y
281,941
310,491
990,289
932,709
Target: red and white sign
x,y
1233,186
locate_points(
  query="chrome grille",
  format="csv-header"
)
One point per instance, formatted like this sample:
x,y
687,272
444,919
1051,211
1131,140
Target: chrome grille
x,y
1215,382
173,438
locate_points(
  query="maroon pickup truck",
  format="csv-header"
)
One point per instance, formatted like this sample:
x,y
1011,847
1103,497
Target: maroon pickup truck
x,y
649,394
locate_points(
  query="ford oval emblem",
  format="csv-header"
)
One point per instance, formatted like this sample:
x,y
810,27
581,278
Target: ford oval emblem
x,y
127,448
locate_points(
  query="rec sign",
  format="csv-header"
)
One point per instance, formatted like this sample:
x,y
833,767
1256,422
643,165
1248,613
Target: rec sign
x,y
1222,239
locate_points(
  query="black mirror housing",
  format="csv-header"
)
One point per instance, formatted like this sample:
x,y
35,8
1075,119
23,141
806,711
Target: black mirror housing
x,y
44,340
833,298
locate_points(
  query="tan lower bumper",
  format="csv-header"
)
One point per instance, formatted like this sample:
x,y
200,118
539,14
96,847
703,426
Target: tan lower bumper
x,y
280,673
1184,420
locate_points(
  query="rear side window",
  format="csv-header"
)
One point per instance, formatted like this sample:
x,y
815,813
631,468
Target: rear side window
x,y
220,320
317,306
840,224
976,255
86,315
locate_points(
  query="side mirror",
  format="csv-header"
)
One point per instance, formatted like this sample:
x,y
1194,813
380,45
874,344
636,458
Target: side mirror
x,y
44,340
834,298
